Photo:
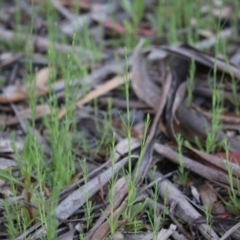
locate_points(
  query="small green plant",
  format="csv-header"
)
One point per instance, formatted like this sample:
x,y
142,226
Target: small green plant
x,y
235,17
157,220
143,147
132,213
233,205
182,174
88,205
173,38
136,11
112,222
217,109
207,211
133,209
22,220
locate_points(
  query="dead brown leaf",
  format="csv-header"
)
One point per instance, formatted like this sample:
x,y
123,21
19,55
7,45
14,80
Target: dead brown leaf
x,y
145,89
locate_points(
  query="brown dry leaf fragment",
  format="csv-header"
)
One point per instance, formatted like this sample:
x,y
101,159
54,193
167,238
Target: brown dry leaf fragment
x,y
194,166
121,103
207,33
189,52
6,191
218,208
8,59
6,143
145,89
138,130
42,77
207,195
219,161
15,94
179,97
197,125
41,110
226,118
68,235
102,89
179,69
83,4
5,163
224,12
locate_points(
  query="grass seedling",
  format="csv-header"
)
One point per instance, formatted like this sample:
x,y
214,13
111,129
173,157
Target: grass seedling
x,y
233,205
217,101
165,201
128,125
21,219
31,165
111,194
210,144
105,139
88,205
173,38
156,216
143,147
182,174
159,21
207,211
153,218
136,211
217,109
136,11
235,17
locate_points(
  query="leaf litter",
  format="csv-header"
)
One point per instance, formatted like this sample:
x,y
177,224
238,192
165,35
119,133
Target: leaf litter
x,y
112,130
